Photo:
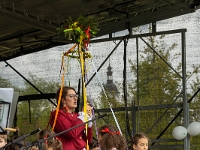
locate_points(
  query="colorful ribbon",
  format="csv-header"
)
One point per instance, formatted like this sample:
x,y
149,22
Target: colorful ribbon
x,y
79,31
106,130
60,95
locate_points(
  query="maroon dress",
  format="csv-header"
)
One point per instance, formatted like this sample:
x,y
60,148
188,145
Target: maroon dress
x,y
74,139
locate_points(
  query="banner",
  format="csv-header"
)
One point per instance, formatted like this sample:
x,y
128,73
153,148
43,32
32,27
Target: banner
x,y
8,104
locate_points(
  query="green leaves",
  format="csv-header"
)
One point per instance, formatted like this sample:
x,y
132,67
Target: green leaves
x,y
82,27
38,114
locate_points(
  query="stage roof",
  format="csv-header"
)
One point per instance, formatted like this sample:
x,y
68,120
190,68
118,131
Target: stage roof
x,y
28,26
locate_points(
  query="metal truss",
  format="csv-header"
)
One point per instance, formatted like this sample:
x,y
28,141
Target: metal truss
x,y
184,106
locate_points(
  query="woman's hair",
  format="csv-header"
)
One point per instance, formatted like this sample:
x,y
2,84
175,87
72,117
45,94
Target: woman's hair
x,y
64,93
138,136
53,143
111,138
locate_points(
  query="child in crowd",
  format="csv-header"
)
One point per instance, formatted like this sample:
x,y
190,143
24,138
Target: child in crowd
x,y
15,146
3,140
94,145
140,141
33,148
49,144
52,143
110,139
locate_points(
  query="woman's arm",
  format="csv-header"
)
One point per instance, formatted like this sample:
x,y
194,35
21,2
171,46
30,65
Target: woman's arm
x,y
63,123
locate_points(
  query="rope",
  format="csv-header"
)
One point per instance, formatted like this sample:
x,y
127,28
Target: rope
x,y
84,89
60,95
92,103
100,81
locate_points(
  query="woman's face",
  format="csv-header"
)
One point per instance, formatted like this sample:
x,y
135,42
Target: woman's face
x,y
70,100
142,144
2,142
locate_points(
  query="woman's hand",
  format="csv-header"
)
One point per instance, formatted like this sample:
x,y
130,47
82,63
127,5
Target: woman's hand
x,y
89,109
81,115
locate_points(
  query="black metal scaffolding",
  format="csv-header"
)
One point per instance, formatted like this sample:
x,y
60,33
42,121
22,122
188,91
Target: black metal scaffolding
x,y
184,106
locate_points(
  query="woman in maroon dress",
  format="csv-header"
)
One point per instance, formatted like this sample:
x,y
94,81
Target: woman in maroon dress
x,y
67,118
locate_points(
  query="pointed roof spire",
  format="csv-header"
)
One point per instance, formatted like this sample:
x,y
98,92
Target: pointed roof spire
x,y
110,86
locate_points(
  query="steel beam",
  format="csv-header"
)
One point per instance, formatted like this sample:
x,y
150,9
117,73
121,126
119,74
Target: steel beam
x,y
139,20
150,107
139,35
28,20
184,86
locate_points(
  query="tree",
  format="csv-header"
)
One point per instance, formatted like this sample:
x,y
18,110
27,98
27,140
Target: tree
x,y
158,84
5,83
194,112
38,114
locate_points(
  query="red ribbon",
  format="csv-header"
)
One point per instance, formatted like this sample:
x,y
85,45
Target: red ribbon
x,y
86,42
45,137
57,138
106,130
118,132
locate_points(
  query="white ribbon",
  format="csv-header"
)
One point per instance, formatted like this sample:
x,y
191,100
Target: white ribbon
x,y
99,79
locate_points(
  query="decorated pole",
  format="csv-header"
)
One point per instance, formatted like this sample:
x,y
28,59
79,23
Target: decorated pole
x,y
78,31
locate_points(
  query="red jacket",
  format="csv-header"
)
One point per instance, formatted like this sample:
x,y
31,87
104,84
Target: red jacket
x,y
74,139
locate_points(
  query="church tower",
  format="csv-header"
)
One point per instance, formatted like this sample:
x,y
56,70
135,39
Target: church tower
x,y
110,87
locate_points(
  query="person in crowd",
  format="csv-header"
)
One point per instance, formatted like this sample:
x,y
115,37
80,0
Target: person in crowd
x,y
94,145
16,134
77,138
33,148
110,139
52,143
140,141
3,140
15,146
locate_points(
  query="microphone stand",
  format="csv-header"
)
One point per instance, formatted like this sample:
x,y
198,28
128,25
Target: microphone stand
x,y
19,139
39,142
